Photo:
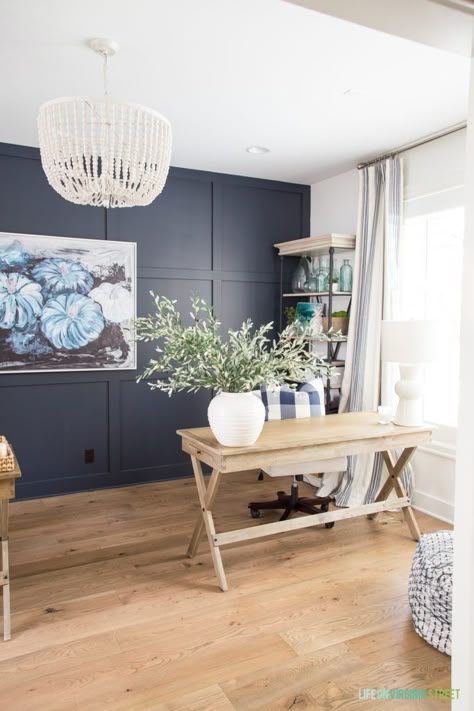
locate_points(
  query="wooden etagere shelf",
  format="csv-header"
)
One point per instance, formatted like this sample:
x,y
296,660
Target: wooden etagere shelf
x,y
334,339
316,246
323,245
316,293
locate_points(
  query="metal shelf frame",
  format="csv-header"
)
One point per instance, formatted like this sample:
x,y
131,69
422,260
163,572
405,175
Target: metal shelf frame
x,y
333,345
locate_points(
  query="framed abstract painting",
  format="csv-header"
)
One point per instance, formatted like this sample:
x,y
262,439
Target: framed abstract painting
x,y
66,304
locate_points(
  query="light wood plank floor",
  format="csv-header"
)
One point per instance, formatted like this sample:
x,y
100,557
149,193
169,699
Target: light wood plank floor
x,y
108,613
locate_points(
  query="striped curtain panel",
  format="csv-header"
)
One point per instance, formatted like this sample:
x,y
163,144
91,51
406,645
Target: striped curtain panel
x,y
374,297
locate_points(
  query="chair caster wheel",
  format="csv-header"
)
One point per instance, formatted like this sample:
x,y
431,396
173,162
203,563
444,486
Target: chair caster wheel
x,y
255,513
329,525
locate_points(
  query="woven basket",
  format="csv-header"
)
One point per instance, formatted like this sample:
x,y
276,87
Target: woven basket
x,y
7,463
339,323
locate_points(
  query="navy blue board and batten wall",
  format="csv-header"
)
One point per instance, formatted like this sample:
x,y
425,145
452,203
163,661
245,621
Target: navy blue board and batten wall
x,y
206,232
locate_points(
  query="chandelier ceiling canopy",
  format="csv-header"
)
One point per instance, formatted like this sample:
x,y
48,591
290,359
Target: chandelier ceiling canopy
x,y
104,152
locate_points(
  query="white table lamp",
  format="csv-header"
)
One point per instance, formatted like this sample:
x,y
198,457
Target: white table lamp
x,y
410,344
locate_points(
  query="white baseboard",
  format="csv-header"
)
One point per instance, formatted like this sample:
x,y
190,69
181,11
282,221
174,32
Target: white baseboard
x,y
440,449
432,505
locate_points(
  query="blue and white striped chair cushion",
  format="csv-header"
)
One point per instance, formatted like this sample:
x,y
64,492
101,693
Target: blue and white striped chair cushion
x,y
285,403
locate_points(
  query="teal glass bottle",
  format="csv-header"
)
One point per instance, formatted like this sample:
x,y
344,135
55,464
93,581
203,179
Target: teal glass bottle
x,y
310,284
345,276
321,275
320,280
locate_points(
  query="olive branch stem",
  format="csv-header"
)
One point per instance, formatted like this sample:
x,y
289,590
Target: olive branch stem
x,y
197,357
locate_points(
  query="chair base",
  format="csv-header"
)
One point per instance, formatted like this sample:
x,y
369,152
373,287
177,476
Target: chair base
x,y
291,503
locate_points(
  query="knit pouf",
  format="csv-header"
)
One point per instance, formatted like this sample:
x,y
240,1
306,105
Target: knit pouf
x,y
430,589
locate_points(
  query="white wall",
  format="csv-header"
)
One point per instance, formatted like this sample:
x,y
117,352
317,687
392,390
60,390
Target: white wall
x,y
463,619
430,168
436,166
334,204
435,468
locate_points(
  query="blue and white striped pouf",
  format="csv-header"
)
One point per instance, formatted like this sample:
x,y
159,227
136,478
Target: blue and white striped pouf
x,y
430,589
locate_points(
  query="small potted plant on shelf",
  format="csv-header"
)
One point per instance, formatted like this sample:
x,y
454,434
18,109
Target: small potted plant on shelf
x,y
290,314
198,357
339,322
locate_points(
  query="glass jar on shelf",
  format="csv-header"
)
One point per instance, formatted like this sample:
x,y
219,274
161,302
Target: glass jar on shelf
x,y
345,276
335,275
324,263
311,283
335,278
300,276
322,275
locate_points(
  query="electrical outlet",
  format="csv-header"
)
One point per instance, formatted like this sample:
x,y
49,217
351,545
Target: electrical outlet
x,y
89,456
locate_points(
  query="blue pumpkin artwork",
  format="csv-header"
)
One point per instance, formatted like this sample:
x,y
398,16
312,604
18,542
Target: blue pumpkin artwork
x,y
63,276
21,301
71,321
66,303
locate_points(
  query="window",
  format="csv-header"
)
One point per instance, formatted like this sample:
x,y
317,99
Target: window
x,y
430,287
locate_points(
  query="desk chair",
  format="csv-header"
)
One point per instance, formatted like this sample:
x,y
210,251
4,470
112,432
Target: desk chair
x,y
286,403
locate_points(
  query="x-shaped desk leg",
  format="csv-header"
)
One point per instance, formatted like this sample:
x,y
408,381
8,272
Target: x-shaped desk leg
x,y
211,493
395,469
206,499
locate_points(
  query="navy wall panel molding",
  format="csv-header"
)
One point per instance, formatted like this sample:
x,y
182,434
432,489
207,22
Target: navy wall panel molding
x,y
208,232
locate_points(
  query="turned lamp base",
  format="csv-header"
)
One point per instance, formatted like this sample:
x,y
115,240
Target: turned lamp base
x,y
410,392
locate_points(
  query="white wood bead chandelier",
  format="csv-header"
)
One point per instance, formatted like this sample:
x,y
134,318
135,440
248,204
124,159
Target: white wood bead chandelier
x,y
104,152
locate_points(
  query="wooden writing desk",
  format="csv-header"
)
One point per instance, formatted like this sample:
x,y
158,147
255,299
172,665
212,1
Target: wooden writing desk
x,y
294,441
7,491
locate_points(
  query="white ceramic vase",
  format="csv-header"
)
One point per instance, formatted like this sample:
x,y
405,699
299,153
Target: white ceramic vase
x,y
236,419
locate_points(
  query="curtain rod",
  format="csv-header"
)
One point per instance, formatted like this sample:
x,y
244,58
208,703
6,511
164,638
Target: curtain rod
x,y
414,144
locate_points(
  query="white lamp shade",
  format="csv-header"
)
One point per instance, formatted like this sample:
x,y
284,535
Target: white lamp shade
x,y
410,341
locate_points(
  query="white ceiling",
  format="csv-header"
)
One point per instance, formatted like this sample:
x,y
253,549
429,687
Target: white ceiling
x,y
445,24
234,73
